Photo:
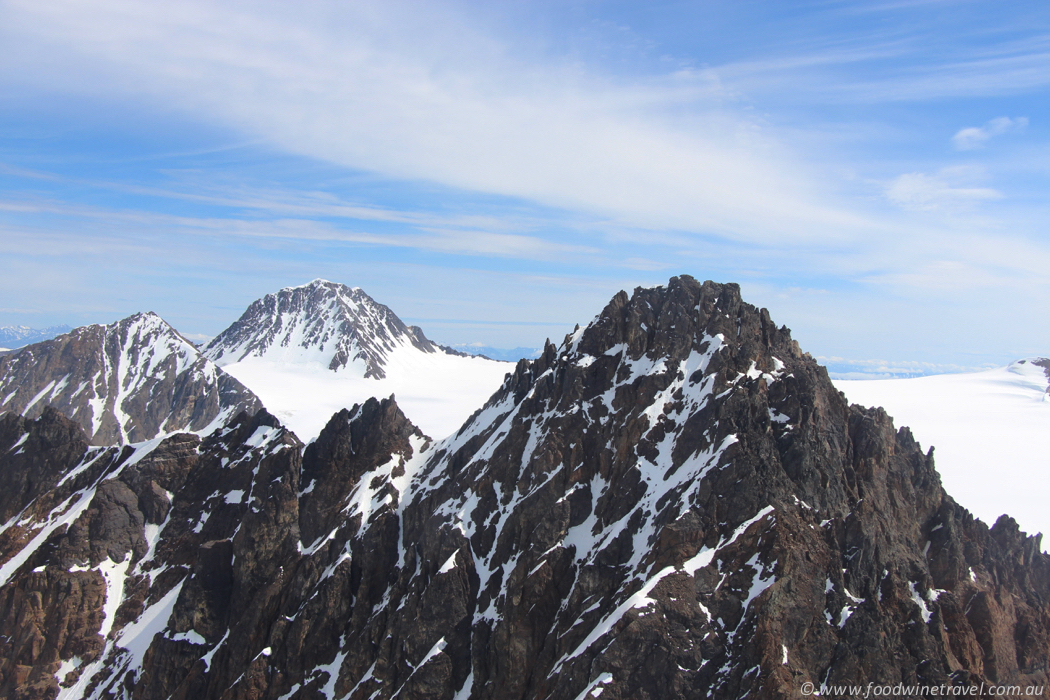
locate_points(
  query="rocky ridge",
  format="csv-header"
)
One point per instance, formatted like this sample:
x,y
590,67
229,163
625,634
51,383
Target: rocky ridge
x,y
124,382
674,502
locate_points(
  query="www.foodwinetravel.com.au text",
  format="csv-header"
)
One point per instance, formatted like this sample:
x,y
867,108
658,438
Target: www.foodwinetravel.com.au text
x,y
879,690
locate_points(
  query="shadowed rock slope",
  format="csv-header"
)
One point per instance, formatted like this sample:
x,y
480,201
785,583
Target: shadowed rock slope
x,y
674,503
125,382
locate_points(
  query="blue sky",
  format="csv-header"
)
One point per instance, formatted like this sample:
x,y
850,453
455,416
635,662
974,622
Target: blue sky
x,y
876,174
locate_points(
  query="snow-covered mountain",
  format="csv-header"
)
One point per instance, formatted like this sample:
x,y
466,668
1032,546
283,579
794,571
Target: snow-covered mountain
x,y
123,382
312,350
991,432
12,337
674,503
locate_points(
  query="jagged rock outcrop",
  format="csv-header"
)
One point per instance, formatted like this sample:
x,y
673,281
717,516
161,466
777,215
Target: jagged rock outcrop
x,y
673,503
125,382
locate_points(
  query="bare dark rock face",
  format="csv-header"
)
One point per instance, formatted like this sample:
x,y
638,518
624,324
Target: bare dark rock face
x,y
353,443
125,382
673,503
327,319
35,459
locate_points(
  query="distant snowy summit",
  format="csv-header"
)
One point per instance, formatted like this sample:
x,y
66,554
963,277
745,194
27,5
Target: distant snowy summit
x,y
124,382
321,323
312,350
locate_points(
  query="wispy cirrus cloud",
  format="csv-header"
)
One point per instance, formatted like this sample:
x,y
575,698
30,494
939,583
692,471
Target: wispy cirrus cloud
x,y
366,88
191,187
458,241
983,78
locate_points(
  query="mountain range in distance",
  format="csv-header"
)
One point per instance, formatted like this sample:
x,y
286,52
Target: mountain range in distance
x,y
501,354
304,352
13,337
673,502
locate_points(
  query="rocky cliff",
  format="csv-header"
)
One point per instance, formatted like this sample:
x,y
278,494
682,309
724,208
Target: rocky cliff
x,y
673,503
124,382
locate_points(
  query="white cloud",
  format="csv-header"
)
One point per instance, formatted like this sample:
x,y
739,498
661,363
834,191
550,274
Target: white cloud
x,y
975,136
941,191
420,94
462,241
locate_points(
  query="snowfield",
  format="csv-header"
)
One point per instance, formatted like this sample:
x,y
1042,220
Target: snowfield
x,y
990,430
437,391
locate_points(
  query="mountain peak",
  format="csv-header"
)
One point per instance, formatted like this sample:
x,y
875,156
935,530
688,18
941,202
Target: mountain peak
x,y
669,322
322,282
13,337
321,322
312,350
127,381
